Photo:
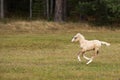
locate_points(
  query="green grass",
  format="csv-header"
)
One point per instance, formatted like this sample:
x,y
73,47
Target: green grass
x,y
54,57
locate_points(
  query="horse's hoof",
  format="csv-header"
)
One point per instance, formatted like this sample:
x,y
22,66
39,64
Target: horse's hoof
x,y
89,61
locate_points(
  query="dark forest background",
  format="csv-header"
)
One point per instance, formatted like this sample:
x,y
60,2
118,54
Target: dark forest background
x,y
102,11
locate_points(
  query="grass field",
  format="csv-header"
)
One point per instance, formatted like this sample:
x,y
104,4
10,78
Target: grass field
x,y
52,56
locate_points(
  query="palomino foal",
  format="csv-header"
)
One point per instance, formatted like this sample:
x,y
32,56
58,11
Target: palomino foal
x,y
87,45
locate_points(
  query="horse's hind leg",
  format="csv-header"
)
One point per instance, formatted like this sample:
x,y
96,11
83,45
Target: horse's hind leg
x,y
86,57
91,59
97,52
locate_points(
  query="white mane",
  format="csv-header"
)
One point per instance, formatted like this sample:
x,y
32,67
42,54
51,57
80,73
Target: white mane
x,y
82,37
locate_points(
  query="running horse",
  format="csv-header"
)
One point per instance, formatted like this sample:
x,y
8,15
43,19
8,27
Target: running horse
x,y
87,45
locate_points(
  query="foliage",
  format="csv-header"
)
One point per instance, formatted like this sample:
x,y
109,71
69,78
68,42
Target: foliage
x,y
15,8
103,10
38,8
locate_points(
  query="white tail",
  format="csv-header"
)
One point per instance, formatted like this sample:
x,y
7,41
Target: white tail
x,y
107,44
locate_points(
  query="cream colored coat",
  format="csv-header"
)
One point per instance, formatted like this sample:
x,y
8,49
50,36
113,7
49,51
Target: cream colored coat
x,y
87,45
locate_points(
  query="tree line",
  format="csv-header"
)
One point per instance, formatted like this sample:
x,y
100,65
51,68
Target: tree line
x,y
104,11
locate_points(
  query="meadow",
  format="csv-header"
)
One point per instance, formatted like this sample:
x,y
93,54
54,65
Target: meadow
x,y
49,54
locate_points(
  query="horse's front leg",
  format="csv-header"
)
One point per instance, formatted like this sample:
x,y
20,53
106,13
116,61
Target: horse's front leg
x,y
79,56
81,52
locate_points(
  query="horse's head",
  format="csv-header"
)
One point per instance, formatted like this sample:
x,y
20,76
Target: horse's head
x,y
77,37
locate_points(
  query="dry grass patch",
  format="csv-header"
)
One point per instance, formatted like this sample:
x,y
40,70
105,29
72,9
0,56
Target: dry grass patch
x,y
50,27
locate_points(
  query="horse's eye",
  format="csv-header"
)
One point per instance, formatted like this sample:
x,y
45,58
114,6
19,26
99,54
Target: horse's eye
x,y
75,37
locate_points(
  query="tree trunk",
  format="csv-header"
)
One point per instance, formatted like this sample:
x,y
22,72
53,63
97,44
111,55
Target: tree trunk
x,y
64,9
1,9
30,8
51,7
58,11
48,9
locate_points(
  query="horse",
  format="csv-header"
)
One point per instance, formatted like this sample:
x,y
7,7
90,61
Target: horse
x,y
88,45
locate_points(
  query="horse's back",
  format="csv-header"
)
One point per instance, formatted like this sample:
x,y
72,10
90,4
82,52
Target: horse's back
x,y
97,43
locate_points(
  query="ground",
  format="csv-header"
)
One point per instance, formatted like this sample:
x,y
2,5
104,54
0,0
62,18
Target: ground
x,y
50,55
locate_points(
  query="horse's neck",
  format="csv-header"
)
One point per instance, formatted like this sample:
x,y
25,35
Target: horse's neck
x,y
82,41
